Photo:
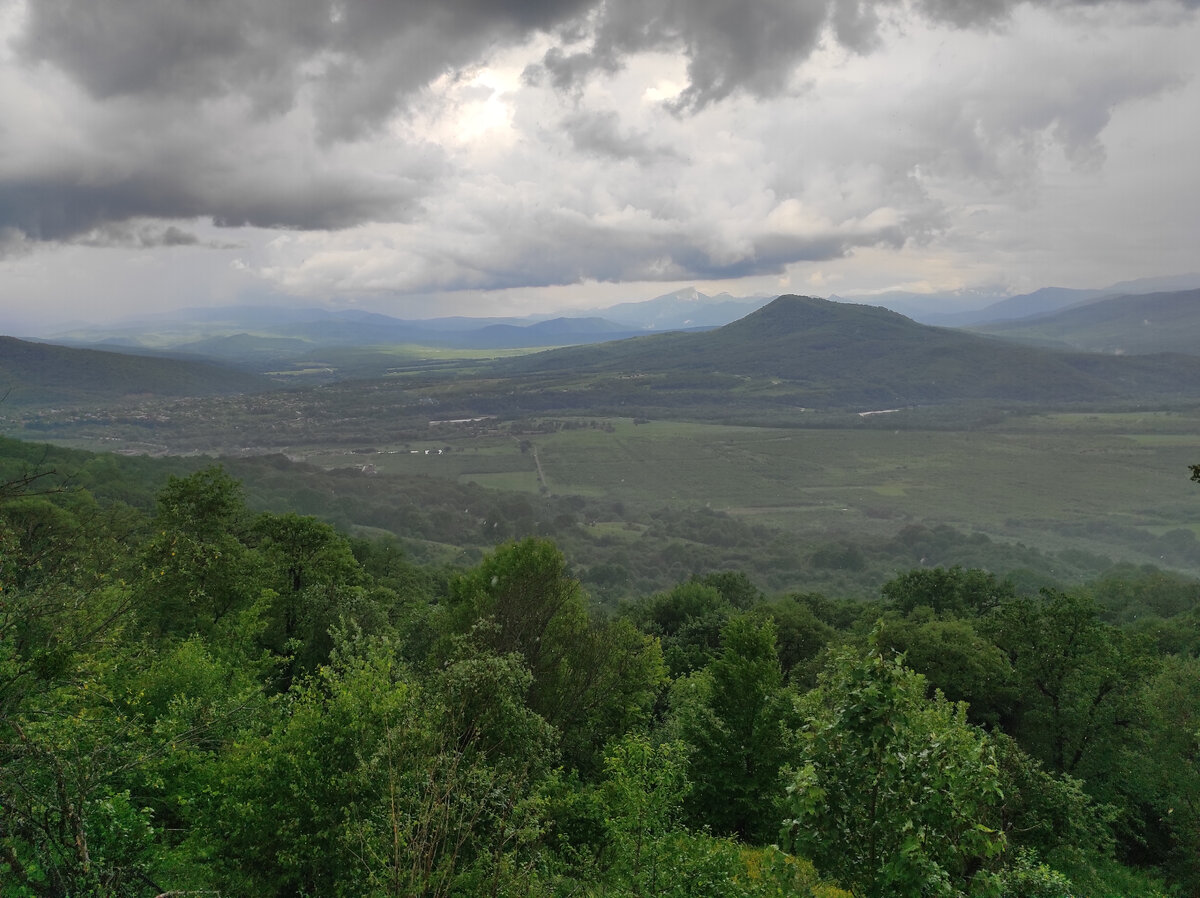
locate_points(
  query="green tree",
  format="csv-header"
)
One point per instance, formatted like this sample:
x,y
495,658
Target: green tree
x,y
315,583
947,591
735,587
1174,752
957,660
197,569
894,788
799,634
732,716
643,789
592,679
372,781
1080,706
68,754
687,620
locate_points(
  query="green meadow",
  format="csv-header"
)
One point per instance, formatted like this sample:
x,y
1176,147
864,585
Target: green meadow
x,y
1047,479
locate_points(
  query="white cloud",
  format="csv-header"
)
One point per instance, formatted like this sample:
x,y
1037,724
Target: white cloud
x,y
863,147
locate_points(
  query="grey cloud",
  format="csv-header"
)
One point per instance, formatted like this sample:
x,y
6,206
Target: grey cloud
x,y
564,249
568,71
599,134
361,58
999,139
239,112
967,13
14,242
69,207
856,24
749,47
989,13
179,66
143,236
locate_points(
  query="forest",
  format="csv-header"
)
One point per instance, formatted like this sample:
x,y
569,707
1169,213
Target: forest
x,y
201,698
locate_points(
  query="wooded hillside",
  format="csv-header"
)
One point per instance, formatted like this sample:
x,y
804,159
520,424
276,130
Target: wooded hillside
x,y
206,698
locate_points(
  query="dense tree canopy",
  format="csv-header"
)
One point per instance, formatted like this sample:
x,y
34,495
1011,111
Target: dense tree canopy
x,y
199,698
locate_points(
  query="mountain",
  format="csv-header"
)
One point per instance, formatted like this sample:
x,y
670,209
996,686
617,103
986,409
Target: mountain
x,y
263,337
554,332
975,306
42,373
1045,301
1155,322
684,309
1049,300
828,354
928,308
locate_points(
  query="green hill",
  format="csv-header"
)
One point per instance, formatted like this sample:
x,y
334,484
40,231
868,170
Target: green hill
x,y
832,354
44,374
1135,325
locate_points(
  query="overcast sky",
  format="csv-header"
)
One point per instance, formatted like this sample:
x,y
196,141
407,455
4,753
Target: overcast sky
x,y
493,157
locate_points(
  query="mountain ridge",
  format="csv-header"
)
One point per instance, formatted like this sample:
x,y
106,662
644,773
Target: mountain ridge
x,y
849,354
1136,324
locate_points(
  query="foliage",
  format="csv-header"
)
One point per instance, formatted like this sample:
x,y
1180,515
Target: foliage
x,y
687,621
1026,878
733,716
277,709
68,823
1080,710
644,786
1174,750
196,568
370,782
947,590
894,789
593,679
956,659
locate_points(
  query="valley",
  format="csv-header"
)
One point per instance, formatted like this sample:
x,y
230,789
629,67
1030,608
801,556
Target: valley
x,y
804,428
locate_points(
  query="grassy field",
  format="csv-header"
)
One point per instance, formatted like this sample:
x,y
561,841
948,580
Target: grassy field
x,y
1044,479
1109,482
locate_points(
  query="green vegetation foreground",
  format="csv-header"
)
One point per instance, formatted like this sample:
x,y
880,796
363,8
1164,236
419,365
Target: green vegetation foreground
x,y
207,699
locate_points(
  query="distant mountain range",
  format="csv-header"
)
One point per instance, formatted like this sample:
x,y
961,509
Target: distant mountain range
x,y
260,337
843,354
1155,322
682,310
799,351
987,307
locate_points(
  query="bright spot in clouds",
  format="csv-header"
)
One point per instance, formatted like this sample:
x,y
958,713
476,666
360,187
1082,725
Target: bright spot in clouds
x,y
475,157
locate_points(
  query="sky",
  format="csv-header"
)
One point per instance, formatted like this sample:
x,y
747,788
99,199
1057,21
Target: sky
x,y
509,157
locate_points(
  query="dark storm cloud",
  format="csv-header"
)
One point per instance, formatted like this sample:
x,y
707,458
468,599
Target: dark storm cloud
x,y
69,208
984,13
144,236
197,94
266,113
562,248
600,134
360,57
752,46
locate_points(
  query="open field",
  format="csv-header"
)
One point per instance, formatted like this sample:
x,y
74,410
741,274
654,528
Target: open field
x,y
1107,478
1050,480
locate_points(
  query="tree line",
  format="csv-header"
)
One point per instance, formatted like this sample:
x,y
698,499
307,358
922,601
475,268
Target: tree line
x,y
207,699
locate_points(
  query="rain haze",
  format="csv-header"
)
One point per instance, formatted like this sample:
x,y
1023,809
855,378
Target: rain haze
x,y
473,157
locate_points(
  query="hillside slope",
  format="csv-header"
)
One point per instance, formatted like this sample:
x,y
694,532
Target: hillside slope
x,y
1157,322
42,373
844,354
